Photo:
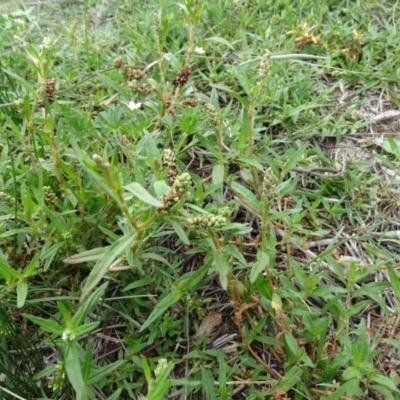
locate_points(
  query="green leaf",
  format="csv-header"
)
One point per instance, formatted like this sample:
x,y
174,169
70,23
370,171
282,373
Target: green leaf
x,y
160,188
22,292
12,232
86,328
218,174
179,230
294,158
84,309
65,314
92,169
30,269
87,256
156,257
351,373
242,75
74,372
22,81
46,324
246,195
327,291
8,272
356,308
290,379
387,394
236,95
395,282
392,146
259,266
101,267
141,193
246,161
220,40
187,281
291,346
161,307
264,287
208,384
99,374
223,268
161,384
116,395
385,381
146,370
87,362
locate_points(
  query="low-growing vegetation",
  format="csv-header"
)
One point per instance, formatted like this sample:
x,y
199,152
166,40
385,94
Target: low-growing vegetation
x,y
199,200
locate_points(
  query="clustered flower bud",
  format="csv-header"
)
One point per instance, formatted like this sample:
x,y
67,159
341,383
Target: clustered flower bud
x,y
190,101
182,76
49,88
20,42
119,62
211,221
103,165
162,364
168,160
268,186
46,45
49,196
137,87
176,192
211,114
265,65
135,73
7,199
58,378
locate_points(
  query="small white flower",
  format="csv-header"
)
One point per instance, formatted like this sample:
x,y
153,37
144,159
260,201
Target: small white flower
x,y
199,50
134,106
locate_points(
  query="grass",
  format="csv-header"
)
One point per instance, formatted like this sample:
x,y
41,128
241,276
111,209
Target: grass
x,y
199,200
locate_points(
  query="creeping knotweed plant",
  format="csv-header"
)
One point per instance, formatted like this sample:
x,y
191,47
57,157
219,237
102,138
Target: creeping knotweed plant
x,y
211,114
190,101
265,65
119,62
182,76
103,165
49,196
168,161
7,199
138,87
268,186
211,221
155,250
135,73
49,89
177,191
